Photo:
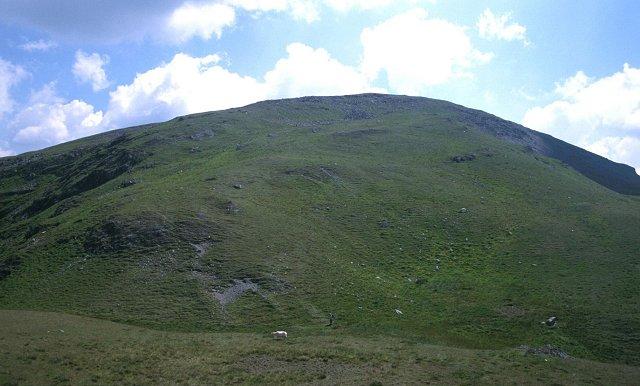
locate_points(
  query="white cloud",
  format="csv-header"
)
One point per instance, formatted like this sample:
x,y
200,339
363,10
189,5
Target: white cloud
x,y
491,26
203,20
309,71
89,69
348,5
599,114
194,84
186,84
10,75
206,19
38,45
574,85
49,120
416,52
620,149
306,10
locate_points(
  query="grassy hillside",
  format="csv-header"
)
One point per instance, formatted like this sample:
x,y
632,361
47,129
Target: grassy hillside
x,y
46,348
281,213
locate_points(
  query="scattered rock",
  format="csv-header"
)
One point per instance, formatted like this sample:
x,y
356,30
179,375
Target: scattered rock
x,y
230,207
551,321
384,224
127,183
511,311
357,114
317,173
463,210
398,312
201,135
238,185
546,350
240,146
202,248
356,134
233,292
463,158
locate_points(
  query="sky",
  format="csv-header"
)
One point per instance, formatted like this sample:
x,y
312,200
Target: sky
x,y
72,68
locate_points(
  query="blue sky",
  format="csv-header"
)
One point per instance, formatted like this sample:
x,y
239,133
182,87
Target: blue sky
x,y
71,68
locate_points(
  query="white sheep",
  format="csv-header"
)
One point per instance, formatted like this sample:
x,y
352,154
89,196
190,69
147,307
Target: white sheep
x,y
279,334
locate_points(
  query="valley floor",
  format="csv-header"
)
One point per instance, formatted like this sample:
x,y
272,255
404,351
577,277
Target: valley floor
x,y
53,348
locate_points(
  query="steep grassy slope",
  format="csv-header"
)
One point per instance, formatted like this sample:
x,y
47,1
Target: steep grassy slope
x,y
284,212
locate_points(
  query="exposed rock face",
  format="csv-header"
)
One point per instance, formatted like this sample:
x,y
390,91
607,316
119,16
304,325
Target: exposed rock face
x,y
133,235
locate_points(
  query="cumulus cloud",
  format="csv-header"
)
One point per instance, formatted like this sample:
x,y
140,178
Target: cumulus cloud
x,y
309,71
10,75
49,120
186,84
494,27
203,20
620,149
347,5
307,10
599,114
416,51
194,84
89,69
38,45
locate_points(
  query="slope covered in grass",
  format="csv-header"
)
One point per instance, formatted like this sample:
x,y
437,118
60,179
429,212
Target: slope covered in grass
x,y
281,213
48,348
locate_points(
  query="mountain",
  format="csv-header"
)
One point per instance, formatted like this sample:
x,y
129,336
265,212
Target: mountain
x,y
403,217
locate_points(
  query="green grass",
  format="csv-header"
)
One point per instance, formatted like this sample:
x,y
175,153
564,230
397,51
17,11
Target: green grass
x,y
51,348
537,239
